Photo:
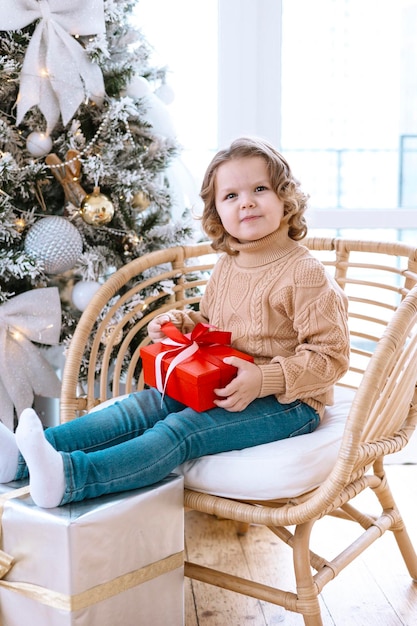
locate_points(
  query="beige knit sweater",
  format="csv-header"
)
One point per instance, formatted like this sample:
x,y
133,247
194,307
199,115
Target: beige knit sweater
x,y
283,309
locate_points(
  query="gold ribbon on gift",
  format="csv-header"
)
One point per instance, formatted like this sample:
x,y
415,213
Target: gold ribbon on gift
x,y
32,316
57,73
95,594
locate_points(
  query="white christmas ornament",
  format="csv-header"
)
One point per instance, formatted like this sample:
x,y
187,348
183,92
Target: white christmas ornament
x,y
82,293
157,114
165,93
138,87
55,242
156,111
38,144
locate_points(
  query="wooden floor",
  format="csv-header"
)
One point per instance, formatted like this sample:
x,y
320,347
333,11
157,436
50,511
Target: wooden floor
x,y
376,590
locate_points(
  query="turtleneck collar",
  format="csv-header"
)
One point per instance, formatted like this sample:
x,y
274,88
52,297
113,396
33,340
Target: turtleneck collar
x,y
274,246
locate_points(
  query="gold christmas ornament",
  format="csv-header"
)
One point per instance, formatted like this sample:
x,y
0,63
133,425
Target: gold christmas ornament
x,y
109,336
96,208
20,224
130,241
140,201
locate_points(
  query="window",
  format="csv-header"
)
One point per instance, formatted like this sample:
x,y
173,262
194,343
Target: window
x,y
348,110
332,83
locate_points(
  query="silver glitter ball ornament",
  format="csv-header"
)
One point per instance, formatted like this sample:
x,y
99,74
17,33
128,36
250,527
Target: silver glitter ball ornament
x,y
55,242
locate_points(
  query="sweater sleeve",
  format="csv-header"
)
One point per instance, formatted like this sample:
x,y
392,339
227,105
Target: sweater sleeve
x,y
186,319
318,313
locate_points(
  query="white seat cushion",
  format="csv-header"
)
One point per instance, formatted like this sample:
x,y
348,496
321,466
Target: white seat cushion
x,y
281,469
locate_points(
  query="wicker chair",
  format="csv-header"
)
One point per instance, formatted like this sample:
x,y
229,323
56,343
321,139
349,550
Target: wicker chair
x,y
380,281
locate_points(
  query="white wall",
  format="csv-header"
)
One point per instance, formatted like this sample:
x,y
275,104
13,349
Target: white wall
x,y
249,69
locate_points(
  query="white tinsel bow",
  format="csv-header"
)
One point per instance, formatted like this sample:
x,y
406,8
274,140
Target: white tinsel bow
x,y
33,316
56,73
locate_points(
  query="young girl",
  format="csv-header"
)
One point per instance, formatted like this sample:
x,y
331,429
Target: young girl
x,y
279,304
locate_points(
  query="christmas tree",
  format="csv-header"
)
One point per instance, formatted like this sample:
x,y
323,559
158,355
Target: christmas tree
x,y
83,173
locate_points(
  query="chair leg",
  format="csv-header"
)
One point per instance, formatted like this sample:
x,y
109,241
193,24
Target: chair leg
x,y
407,550
307,593
386,499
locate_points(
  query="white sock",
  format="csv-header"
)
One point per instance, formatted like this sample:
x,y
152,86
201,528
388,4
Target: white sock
x,y
45,465
9,454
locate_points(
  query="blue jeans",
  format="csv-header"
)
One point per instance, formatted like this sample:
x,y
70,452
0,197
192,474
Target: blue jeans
x,y
138,441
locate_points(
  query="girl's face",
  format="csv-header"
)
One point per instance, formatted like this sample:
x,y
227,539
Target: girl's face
x,y
247,205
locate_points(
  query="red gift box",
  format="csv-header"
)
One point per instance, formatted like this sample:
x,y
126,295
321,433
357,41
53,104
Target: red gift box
x,y
189,367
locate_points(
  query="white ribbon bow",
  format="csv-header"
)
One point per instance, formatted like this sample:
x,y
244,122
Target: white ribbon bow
x,y
185,353
33,316
56,73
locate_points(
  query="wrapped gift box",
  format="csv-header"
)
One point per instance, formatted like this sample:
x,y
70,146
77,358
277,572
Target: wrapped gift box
x,y
114,560
192,381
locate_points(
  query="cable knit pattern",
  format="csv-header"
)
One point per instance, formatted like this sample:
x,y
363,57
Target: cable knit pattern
x,y
285,310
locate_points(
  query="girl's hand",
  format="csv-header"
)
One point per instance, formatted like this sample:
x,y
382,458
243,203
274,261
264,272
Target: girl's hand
x,y
243,389
154,327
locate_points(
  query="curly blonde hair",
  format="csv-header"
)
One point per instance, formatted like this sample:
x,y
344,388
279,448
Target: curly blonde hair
x,y
287,188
